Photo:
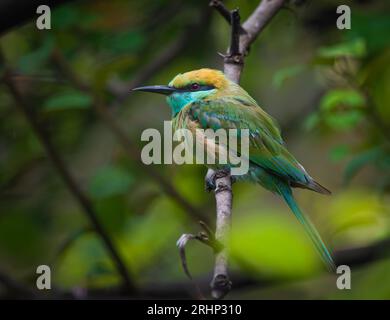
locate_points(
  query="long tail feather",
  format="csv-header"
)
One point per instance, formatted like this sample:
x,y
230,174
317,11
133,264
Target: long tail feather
x,y
309,227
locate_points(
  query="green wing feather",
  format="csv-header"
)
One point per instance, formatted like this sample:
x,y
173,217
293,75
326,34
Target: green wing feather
x,y
266,150
266,146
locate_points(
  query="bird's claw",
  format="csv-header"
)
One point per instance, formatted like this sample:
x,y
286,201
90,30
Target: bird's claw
x,y
207,237
210,180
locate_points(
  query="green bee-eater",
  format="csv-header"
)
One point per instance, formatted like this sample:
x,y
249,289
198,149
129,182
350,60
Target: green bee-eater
x,y
206,99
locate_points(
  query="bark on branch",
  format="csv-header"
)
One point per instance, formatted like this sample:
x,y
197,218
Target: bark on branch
x,y
241,39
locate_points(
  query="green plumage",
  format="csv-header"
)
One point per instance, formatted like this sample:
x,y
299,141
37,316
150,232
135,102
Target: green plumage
x,y
271,165
222,104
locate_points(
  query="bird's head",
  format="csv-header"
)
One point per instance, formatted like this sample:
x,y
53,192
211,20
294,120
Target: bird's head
x,y
190,87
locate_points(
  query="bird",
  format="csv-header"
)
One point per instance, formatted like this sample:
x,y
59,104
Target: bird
x,y
207,99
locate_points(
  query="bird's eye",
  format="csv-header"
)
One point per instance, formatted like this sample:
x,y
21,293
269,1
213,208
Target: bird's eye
x,y
195,86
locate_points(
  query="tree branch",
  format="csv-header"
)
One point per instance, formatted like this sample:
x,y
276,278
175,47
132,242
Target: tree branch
x,y
66,176
233,64
235,35
221,8
353,257
221,284
252,27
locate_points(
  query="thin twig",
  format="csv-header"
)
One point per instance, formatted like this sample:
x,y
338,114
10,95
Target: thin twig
x,y
67,177
235,34
233,65
252,27
225,12
355,257
221,8
69,242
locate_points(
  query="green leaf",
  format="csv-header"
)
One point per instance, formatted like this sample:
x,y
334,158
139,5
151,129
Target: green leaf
x,y
341,98
99,270
110,181
34,61
341,108
86,262
20,233
273,246
284,74
66,16
363,159
150,237
68,100
355,48
357,216
339,152
343,120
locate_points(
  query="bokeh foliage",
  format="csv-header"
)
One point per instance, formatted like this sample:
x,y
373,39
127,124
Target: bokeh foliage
x,y
329,89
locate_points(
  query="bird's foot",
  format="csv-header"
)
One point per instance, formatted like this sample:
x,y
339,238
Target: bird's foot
x,y
207,237
210,180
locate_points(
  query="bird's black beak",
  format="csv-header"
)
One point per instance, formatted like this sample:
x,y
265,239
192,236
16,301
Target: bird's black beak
x,y
167,90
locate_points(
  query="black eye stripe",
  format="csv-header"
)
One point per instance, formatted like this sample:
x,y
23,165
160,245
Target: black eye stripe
x,y
200,88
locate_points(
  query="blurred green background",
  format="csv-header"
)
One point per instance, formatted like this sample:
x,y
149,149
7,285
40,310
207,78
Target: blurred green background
x,y
328,88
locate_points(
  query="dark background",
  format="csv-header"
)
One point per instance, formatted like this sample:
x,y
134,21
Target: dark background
x,y
328,88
